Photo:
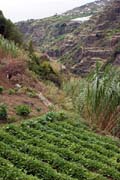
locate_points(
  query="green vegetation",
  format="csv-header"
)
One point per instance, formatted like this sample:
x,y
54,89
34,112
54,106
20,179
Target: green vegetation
x,y
57,146
23,110
11,91
112,32
8,171
9,30
11,119
8,48
103,98
97,99
1,89
43,69
52,147
3,112
76,89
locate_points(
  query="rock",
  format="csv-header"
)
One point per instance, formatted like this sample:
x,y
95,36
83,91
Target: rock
x,y
45,101
18,86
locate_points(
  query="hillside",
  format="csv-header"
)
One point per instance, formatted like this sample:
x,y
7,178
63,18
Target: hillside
x,y
21,87
101,43
75,43
54,124
87,9
52,28
51,147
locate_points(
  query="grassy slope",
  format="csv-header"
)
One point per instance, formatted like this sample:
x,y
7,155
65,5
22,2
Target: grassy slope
x,y
14,61
48,149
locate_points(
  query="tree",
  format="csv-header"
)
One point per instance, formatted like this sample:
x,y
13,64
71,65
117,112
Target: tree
x,y
9,30
30,48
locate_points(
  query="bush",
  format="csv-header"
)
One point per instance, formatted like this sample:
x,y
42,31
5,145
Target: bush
x,y
9,30
11,119
32,94
10,49
55,116
23,110
3,112
39,109
44,69
1,89
11,91
76,90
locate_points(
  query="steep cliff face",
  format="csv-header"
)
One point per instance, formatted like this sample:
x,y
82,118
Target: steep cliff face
x,y
99,41
75,43
49,29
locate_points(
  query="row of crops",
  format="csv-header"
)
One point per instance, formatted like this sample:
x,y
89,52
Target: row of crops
x,y
53,148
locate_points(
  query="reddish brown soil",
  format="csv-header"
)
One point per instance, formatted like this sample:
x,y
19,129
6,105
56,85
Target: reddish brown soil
x,y
24,79
14,100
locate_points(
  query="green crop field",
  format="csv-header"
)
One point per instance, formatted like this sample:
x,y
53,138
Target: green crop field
x,y
48,148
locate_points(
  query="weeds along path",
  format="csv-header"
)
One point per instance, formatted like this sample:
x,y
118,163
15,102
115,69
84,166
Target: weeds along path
x,y
49,149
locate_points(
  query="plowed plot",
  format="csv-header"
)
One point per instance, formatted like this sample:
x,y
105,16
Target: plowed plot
x,y
59,150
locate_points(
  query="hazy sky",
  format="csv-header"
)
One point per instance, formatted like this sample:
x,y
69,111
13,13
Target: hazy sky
x,y
18,10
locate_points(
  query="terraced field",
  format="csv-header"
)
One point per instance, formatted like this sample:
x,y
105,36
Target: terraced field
x,y
49,149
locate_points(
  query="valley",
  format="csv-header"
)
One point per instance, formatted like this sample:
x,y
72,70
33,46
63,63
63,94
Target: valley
x,y
60,95
76,44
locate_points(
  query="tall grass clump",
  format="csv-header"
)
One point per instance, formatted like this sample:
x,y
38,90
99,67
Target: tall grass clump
x,y
97,98
76,89
9,49
103,98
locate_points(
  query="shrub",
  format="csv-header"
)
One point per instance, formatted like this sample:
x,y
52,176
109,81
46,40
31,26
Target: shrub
x,y
1,89
11,119
11,91
3,112
56,116
76,90
8,49
51,108
32,94
23,110
39,109
9,30
44,69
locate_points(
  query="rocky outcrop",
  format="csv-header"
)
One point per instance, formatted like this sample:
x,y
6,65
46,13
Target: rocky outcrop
x,y
43,31
86,65
89,58
98,53
99,44
45,101
110,16
92,38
